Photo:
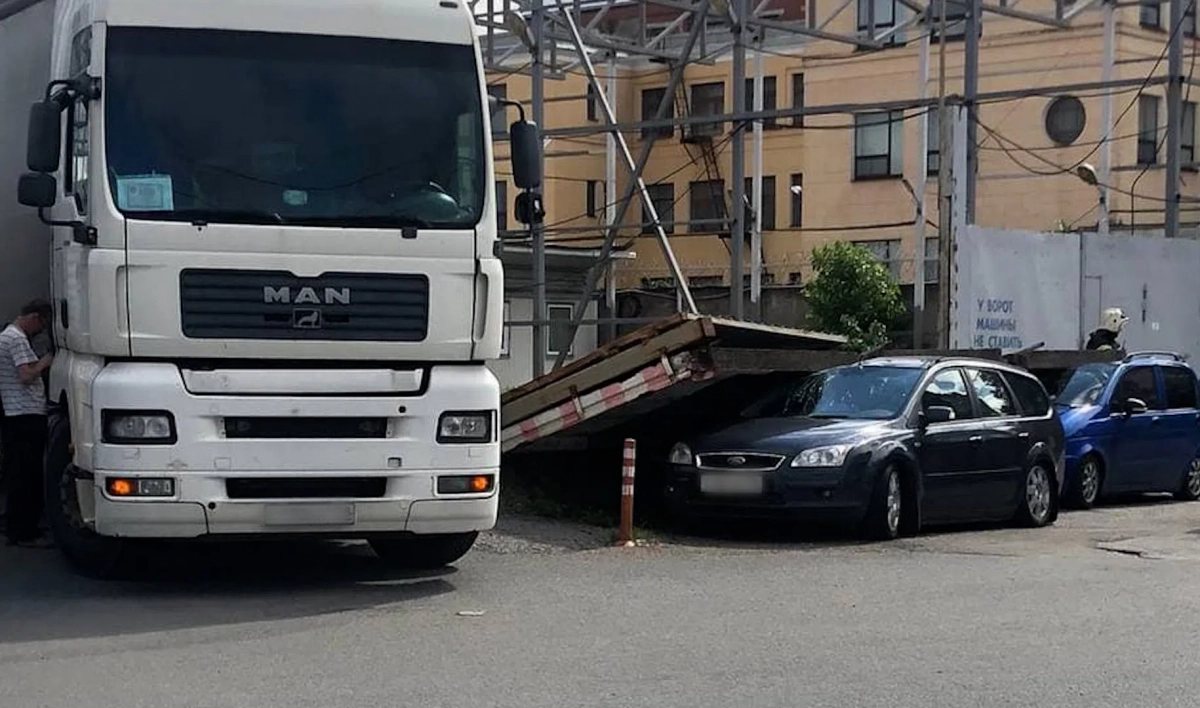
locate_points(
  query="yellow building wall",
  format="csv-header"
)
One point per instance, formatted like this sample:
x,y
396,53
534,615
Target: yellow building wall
x,y
1023,178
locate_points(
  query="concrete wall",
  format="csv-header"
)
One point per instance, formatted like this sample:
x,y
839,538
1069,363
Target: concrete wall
x,y
24,72
516,367
1014,54
1019,288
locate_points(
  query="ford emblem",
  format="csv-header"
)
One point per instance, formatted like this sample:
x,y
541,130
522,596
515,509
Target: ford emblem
x,y
736,461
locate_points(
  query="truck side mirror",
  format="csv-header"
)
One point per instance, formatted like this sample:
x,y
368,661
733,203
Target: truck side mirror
x,y
44,146
37,189
525,142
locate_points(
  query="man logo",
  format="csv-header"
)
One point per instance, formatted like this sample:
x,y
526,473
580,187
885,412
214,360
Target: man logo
x,y
306,296
306,318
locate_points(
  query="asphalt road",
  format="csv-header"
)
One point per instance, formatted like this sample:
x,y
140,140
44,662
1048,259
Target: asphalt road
x,y
1100,610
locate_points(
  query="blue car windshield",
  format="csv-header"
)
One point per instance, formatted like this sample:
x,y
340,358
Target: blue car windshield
x,y
1084,385
864,392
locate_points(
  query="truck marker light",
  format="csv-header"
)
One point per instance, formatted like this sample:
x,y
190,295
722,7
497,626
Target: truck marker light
x,y
466,484
144,487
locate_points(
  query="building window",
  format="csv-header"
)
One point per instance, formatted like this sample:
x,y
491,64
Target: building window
x,y
506,331
1065,120
708,100
769,99
593,104
1147,142
502,206
798,98
1187,134
956,20
767,222
708,212
797,198
886,252
933,145
499,118
560,338
650,100
1150,14
595,197
877,148
663,198
885,14
932,260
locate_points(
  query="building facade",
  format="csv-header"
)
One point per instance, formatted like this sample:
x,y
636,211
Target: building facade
x,y
854,175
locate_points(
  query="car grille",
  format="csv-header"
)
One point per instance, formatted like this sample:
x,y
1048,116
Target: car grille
x,y
255,304
747,461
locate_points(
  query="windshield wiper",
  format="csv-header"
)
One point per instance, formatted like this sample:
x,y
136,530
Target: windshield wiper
x,y
384,221
204,217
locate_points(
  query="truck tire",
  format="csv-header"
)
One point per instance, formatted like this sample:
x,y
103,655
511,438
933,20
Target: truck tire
x,y
87,552
423,552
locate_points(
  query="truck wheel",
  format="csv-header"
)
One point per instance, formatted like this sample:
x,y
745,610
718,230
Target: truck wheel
x,y
88,553
424,552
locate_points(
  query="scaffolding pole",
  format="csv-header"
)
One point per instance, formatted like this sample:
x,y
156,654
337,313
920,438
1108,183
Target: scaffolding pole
x,y
737,238
756,234
636,182
1174,117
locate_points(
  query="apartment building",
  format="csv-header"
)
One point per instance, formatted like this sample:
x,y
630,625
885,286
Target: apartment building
x,y
854,176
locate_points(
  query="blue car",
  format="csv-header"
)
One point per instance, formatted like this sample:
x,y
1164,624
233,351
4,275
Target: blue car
x,y
1132,426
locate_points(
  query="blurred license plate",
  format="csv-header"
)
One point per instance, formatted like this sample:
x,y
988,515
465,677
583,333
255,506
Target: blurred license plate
x,y
321,514
731,484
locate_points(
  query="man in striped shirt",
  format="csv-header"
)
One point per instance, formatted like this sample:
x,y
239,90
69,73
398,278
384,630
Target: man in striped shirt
x,y
23,395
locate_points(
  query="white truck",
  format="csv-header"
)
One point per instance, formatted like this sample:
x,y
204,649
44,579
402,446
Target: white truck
x,y
268,231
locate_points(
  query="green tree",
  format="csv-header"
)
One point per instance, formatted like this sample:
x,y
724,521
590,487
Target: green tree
x,y
852,294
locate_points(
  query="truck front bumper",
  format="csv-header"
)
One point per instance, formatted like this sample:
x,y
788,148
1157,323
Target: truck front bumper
x,y
202,508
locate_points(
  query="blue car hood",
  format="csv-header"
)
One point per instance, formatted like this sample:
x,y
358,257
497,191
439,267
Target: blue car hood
x,y
1073,419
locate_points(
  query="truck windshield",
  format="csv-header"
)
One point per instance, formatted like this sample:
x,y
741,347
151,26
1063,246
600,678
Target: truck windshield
x,y
214,126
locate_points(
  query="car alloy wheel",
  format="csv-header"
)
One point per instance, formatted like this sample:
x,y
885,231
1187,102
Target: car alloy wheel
x,y
893,502
1193,478
1037,493
1089,481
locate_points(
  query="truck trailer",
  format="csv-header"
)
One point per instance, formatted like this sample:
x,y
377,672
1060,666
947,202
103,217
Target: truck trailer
x,y
268,232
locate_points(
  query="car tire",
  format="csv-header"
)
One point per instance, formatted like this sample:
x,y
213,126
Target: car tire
x,y
1189,489
424,552
1036,508
885,513
87,552
1085,489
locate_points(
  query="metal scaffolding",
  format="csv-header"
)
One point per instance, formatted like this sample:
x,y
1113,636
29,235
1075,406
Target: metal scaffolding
x,y
549,39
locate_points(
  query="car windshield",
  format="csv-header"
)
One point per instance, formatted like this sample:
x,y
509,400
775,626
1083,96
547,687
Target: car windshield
x,y
867,392
246,127
1084,385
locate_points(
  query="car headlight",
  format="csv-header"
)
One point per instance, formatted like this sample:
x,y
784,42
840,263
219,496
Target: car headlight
x,y
138,427
681,455
828,456
465,427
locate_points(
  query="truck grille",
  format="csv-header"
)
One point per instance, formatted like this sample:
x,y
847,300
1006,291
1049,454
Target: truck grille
x,y
256,304
260,428
307,488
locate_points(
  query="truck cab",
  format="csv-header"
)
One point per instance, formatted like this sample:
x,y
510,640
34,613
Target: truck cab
x,y
274,271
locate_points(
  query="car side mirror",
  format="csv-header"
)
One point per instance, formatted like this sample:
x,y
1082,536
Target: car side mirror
x,y
43,149
1133,406
37,189
937,414
525,143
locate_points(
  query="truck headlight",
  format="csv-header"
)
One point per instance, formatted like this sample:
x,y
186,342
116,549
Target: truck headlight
x,y
465,427
828,456
138,427
681,455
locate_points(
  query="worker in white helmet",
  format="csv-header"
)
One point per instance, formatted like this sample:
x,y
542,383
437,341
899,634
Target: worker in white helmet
x,y
1112,322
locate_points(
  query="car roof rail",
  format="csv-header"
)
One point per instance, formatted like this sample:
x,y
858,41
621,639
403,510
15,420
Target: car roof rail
x,y
1151,354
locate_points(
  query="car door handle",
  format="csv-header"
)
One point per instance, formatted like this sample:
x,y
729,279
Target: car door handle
x,y
975,439
1023,435
1154,420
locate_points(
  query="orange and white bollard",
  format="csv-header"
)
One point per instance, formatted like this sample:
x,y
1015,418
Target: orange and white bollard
x,y
628,467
